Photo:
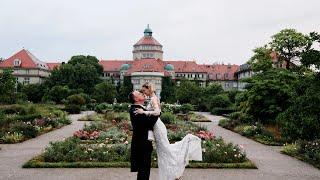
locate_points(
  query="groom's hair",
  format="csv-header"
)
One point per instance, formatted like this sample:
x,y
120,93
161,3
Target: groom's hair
x,y
131,98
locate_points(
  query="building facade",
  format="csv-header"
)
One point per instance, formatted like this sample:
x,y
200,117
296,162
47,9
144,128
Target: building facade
x,y
147,65
27,68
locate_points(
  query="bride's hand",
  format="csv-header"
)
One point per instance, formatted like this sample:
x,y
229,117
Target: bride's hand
x,y
138,111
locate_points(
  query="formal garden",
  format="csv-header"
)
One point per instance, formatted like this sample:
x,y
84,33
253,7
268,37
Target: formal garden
x,y
105,142
19,122
279,106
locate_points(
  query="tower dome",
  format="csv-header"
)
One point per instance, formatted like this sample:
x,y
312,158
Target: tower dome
x,y
147,47
147,31
169,67
124,67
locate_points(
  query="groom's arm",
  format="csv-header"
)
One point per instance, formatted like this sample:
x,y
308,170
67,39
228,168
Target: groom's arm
x,y
147,121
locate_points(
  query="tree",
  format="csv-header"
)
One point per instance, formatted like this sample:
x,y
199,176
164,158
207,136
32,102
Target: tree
x,y
289,44
86,60
81,72
168,90
57,94
34,92
261,60
124,89
7,86
268,94
188,92
302,119
105,92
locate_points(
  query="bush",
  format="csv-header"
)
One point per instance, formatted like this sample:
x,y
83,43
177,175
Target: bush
x,y
186,108
68,151
222,111
218,101
76,99
73,108
217,151
310,150
94,126
57,94
26,129
251,131
122,107
224,122
14,109
168,118
14,137
113,135
122,116
101,107
176,136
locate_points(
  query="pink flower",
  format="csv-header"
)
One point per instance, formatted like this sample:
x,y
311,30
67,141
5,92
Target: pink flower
x,y
86,135
205,135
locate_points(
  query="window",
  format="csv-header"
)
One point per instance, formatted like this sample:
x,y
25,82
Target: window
x,y
17,62
135,81
158,81
225,75
27,71
218,76
26,80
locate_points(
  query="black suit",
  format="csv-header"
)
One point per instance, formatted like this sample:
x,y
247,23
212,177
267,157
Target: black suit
x,y
141,147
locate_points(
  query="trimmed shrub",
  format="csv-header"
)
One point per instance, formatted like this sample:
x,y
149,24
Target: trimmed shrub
x,y
186,108
168,118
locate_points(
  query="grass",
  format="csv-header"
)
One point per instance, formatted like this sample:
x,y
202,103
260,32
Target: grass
x,y
36,163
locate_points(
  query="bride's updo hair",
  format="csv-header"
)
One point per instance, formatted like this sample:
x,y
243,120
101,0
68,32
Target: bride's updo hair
x,y
149,86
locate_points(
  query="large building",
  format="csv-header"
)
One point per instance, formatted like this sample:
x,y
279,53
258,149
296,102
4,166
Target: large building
x,y
147,65
27,68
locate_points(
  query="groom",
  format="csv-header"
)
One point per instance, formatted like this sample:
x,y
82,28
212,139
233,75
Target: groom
x,y
141,147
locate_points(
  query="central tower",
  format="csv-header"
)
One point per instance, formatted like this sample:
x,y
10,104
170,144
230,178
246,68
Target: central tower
x,y
147,47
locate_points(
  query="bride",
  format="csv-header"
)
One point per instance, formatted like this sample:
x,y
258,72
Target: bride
x,y
172,158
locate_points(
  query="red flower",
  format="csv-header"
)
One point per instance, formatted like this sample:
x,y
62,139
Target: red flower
x,y
205,135
84,135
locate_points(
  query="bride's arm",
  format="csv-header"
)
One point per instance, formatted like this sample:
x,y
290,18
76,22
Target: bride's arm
x,y
155,112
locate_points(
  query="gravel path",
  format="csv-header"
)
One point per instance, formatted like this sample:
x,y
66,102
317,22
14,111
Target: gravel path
x,y
271,164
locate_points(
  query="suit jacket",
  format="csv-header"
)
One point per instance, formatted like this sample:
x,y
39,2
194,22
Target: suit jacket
x,y
141,147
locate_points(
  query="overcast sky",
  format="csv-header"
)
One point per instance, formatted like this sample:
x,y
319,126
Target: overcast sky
x,y
203,30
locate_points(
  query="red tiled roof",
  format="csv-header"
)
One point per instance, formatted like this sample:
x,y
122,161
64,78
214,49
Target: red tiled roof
x,y
225,72
147,40
113,65
53,65
185,66
23,56
146,65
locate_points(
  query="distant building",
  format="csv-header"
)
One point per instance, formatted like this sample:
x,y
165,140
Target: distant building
x,y
147,66
27,68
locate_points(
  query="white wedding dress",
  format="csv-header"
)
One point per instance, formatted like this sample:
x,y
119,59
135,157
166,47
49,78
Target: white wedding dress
x,y
173,158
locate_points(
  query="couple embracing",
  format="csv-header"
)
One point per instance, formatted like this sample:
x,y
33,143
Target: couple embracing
x,y
147,126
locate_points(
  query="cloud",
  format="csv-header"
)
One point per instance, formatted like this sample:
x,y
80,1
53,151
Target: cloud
x,y
207,30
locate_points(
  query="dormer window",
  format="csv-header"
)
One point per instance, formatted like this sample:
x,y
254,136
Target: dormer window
x,y
17,62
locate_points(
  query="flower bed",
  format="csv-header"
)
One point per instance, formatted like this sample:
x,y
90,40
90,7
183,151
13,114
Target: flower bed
x,y
21,122
268,135
308,151
106,143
